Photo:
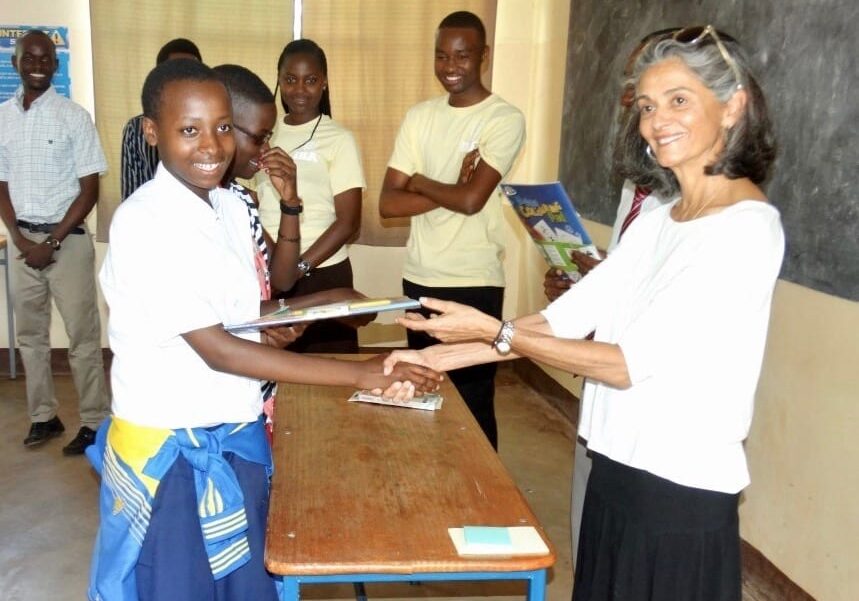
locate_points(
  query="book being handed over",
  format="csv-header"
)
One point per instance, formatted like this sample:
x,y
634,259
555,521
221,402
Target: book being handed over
x,y
548,214
344,308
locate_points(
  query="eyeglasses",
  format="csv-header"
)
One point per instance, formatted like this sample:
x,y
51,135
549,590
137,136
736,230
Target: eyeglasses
x,y
694,35
258,139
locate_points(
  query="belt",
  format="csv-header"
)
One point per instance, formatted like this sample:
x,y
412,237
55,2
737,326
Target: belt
x,y
45,228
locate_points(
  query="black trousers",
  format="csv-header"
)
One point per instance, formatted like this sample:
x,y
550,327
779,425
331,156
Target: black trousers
x,y
476,384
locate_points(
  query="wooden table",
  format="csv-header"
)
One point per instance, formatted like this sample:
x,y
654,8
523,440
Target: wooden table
x,y
366,493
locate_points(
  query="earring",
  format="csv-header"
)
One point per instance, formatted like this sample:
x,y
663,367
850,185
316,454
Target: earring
x,y
649,152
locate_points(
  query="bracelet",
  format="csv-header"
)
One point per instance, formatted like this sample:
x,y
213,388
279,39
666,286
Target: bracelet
x,y
295,240
290,210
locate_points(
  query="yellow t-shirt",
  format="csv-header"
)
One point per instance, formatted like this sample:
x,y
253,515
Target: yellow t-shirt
x,y
446,248
330,163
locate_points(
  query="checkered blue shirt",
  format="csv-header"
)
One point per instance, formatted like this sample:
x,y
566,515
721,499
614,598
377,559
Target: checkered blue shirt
x,y
43,153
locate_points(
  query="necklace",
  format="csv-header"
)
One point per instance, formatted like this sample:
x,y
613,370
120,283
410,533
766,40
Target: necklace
x,y
700,210
313,131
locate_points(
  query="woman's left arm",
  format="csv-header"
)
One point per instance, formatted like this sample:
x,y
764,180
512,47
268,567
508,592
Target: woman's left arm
x,y
473,332
347,223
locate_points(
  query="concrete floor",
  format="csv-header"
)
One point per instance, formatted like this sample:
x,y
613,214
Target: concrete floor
x,y
48,502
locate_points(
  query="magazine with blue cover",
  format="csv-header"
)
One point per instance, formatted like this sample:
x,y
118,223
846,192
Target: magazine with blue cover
x,y
548,214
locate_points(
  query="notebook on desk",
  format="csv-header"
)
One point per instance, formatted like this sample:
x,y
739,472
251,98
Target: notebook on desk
x,y
486,541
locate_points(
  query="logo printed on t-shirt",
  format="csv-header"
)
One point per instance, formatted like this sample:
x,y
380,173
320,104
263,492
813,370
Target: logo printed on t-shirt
x,y
467,145
310,155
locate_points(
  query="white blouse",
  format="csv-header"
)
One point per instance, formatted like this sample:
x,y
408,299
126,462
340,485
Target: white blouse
x,y
688,303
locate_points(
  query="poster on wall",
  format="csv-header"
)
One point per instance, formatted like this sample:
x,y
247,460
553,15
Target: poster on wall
x,y
9,80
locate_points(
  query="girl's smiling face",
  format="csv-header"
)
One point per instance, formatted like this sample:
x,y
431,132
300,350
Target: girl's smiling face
x,y
301,82
194,133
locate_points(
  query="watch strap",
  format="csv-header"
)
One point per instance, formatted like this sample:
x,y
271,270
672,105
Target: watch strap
x,y
290,210
504,337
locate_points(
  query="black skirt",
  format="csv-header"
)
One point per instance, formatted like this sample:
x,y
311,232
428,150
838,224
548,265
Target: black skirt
x,y
645,538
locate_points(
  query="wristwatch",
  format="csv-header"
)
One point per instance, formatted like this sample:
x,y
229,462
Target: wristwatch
x,y
304,267
290,210
504,338
52,242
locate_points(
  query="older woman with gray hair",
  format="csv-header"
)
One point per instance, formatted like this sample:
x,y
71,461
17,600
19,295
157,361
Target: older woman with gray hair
x,y
680,312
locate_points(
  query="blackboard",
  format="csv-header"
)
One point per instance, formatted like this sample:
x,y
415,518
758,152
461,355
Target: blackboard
x,y
805,55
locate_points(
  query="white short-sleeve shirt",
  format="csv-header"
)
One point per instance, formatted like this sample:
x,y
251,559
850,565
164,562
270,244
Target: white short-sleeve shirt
x,y
688,303
174,265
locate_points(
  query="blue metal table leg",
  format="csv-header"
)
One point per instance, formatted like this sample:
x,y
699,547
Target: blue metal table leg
x,y
537,586
291,589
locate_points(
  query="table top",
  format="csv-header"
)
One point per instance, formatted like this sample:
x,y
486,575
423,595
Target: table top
x,y
362,488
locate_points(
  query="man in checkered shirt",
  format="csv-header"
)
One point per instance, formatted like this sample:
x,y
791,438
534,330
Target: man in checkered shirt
x,y
50,161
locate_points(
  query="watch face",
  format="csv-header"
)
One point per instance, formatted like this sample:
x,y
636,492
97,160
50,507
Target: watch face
x,y
502,347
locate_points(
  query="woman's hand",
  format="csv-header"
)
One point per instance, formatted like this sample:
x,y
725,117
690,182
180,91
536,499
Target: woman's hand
x,y
378,378
281,169
456,322
427,357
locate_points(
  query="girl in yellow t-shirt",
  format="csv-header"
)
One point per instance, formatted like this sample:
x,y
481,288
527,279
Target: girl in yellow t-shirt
x,y
330,181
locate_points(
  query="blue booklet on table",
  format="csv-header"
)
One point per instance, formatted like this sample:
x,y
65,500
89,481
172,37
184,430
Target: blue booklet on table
x,y
548,214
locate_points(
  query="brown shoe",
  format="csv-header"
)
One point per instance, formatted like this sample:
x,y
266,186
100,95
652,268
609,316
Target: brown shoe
x,y
42,431
85,437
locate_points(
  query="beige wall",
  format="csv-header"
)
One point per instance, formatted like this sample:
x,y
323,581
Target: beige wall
x,y
800,510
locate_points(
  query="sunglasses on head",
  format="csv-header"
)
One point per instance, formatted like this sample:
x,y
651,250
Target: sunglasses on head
x,y
258,139
697,34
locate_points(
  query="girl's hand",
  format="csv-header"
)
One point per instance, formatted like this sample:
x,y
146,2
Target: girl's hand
x,y
282,171
377,378
283,336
